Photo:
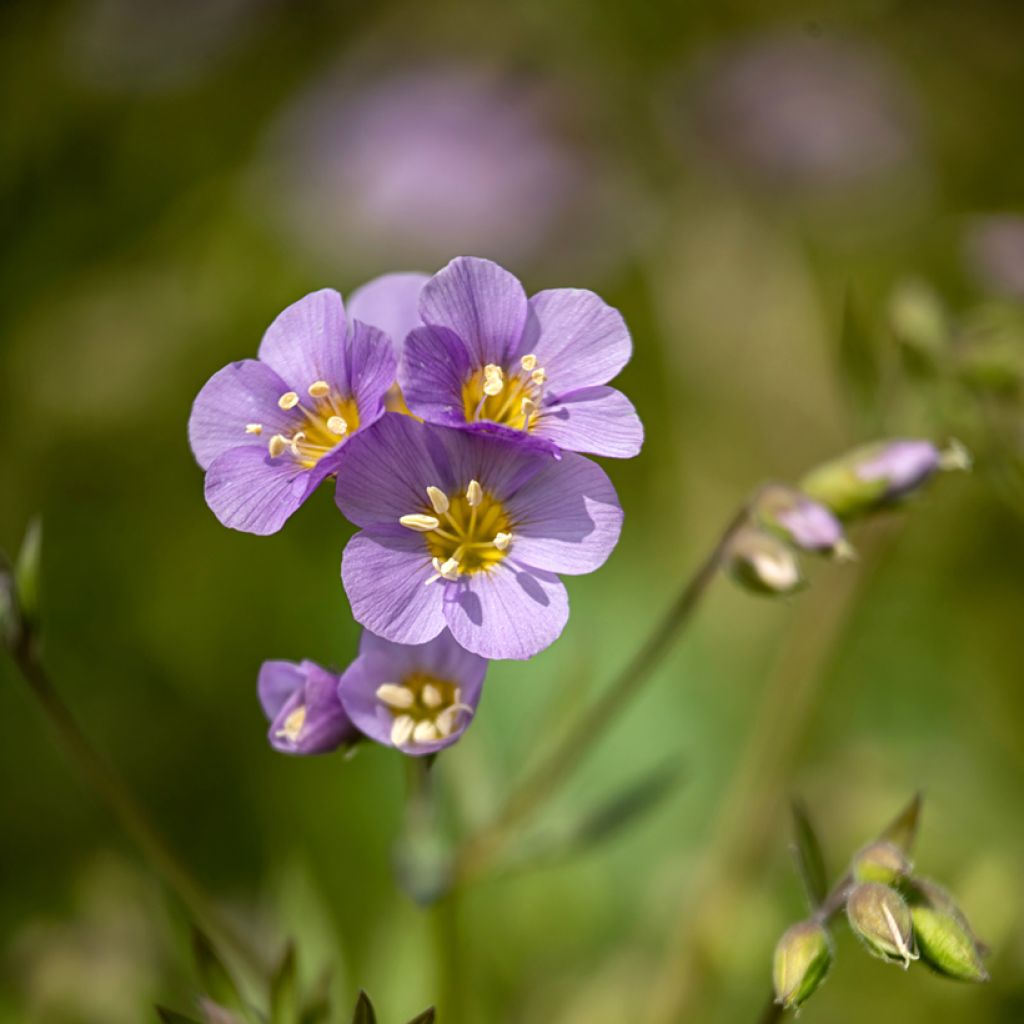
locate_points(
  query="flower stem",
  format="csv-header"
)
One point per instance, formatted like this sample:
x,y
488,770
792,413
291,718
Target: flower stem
x,y
540,784
111,789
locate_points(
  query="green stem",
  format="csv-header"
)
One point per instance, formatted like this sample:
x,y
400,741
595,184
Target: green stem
x,y
110,787
552,773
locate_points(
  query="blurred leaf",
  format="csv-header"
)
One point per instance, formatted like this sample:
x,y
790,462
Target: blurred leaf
x,y
172,1017
26,571
364,1010
426,1017
858,359
216,980
902,830
316,1007
283,1002
810,860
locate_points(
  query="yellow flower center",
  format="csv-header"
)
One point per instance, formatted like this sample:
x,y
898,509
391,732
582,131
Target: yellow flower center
x,y
503,396
424,708
321,419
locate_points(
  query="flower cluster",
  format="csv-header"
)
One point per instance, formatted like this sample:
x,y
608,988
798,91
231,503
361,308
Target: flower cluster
x,y
451,411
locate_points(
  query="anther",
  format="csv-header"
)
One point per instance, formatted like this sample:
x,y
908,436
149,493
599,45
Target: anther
x,y
401,730
431,696
528,362
448,569
288,400
319,389
955,456
398,697
254,428
337,425
297,440
494,379
539,376
425,732
474,493
438,499
277,445
502,540
529,407
420,523
293,725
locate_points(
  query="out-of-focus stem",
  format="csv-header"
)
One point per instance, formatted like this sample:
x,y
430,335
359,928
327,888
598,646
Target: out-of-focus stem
x,y
111,789
553,772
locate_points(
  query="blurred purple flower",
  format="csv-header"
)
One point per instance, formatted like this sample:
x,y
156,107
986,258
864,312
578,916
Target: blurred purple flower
x,y
468,532
419,698
268,430
806,113
805,523
301,702
902,465
995,254
494,362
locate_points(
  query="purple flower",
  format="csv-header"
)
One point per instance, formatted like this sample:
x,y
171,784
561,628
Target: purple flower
x,y
490,360
302,705
468,531
269,430
901,466
805,523
419,698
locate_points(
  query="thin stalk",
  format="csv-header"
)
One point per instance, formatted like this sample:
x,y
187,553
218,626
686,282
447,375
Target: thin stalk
x,y
553,772
111,789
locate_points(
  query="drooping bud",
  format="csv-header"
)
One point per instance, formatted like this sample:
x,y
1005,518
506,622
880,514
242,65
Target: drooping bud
x,y
944,938
802,959
804,523
881,918
761,562
876,475
880,862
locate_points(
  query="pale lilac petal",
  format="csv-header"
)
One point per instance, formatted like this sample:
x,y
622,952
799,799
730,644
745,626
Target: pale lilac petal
x,y
391,303
577,337
370,370
567,518
903,464
241,393
325,724
306,342
385,578
435,366
482,303
511,611
249,491
599,420
277,681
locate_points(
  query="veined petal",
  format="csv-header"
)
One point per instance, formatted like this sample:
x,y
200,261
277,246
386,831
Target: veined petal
x,y
567,518
277,681
598,420
391,303
480,302
511,611
240,394
435,366
385,576
442,657
577,337
371,370
306,342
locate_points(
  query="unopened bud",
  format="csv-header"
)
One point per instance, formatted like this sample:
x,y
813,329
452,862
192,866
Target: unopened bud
x,y
802,958
26,573
804,523
881,919
761,562
876,475
944,938
880,862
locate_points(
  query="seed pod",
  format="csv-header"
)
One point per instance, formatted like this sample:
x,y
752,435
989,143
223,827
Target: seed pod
x,y
880,862
802,959
944,937
881,919
761,562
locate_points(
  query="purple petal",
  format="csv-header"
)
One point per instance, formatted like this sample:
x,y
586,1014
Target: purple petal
x,y
249,491
435,366
324,723
277,681
385,578
567,518
811,526
578,338
511,611
306,342
241,393
902,464
599,420
370,370
482,303
391,303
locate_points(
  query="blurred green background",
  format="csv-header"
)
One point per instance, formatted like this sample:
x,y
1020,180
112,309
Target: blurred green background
x,y
728,175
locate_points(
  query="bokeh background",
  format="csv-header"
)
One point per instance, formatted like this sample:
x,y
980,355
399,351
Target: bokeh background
x,y
732,176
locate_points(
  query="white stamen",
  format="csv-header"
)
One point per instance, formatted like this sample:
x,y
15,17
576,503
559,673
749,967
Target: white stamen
x,y
401,730
443,723
778,573
425,732
502,540
431,696
398,697
897,938
955,456
844,551
293,724
254,428
539,376
337,425
420,523
319,389
494,379
297,440
288,400
528,362
529,408
277,445
438,499
448,570
474,493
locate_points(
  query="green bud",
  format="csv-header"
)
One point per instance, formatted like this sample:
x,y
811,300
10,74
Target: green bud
x,y
880,862
944,938
761,562
802,958
26,572
919,321
881,918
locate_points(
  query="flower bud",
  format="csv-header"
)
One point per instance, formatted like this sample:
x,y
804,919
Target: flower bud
x,y
806,524
881,919
761,562
875,475
880,862
944,938
802,958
